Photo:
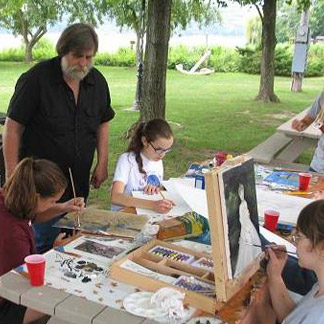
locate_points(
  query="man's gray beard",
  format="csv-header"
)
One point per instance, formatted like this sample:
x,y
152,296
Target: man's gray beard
x,y
74,72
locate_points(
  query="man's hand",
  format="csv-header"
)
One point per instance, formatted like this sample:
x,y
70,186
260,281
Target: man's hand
x,y
99,175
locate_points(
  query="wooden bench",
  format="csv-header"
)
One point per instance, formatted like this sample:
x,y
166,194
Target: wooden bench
x,y
285,146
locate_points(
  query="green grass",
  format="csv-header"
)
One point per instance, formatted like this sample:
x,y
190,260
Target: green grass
x,y
208,113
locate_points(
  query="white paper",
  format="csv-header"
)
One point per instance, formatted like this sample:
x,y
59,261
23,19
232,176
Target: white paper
x,y
289,207
195,198
169,185
179,209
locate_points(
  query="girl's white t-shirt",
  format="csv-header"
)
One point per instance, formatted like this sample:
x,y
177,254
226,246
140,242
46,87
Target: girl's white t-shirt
x,y
127,172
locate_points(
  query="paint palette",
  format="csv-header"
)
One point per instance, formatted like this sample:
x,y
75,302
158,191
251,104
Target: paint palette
x,y
175,255
193,284
204,263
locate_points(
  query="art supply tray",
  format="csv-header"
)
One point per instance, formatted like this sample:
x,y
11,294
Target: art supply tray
x,y
166,259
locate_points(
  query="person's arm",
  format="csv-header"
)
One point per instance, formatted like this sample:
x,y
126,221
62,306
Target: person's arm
x,y
60,208
100,172
11,142
119,198
301,124
281,301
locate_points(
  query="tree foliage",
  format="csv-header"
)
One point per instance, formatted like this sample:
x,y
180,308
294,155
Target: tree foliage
x,y
254,31
32,18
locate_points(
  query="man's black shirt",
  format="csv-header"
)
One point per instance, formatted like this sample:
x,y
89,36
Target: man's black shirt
x,y
55,128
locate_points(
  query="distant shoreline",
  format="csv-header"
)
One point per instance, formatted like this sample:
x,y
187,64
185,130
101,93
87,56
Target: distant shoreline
x,y
111,42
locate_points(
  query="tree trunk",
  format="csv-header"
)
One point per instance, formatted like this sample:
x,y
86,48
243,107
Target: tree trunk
x,y
155,61
266,89
28,52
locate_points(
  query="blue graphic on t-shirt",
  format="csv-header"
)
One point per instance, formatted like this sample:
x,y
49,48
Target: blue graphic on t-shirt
x,y
153,180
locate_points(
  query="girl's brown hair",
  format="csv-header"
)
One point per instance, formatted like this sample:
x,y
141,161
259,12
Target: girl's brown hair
x,y
151,130
311,222
32,177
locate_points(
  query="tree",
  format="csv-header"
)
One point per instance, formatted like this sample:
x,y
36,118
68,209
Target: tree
x,y
128,13
267,12
288,19
31,18
254,31
155,61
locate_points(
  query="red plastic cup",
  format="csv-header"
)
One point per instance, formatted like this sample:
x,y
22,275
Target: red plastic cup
x,y
36,269
271,220
220,157
304,180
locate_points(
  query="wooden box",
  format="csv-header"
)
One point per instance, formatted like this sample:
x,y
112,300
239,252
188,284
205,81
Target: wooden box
x,y
169,267
225,285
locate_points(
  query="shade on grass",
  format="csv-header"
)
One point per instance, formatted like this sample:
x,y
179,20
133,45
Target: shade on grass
x,y
208,113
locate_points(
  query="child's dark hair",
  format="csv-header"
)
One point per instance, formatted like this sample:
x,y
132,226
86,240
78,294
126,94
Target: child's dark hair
x,y
151,130
311,222
32,177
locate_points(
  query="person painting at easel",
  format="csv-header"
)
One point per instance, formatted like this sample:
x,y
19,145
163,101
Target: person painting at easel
x,y
60,111
141,168
34,187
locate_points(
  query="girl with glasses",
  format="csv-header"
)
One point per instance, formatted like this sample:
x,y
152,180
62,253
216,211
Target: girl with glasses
x,y
141,167
309,241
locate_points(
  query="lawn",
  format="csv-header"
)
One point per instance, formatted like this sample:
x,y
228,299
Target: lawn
x,y
207,113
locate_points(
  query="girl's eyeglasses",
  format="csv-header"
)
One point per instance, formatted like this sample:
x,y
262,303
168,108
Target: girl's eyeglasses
x,y
160,150
297,237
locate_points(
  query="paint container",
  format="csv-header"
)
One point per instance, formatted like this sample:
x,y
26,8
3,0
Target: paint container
x,y
271,220
36,269
304,180
220,157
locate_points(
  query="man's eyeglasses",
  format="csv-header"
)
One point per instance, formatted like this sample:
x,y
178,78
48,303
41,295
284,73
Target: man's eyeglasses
x,y
297,237
160,150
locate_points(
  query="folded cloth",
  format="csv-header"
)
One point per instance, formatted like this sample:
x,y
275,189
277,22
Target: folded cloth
x,y
171,300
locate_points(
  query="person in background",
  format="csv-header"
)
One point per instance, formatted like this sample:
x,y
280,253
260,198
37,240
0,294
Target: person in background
x,y
60,111
33,188
309,241
315,114
141,167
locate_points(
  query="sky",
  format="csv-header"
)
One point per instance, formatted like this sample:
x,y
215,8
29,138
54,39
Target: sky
x,y
231,33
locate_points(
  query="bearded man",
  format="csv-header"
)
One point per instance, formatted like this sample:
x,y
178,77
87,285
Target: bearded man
x,y
60,111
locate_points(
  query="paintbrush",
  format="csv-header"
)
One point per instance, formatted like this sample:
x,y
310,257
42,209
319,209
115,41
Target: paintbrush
x,y
77,222
270,246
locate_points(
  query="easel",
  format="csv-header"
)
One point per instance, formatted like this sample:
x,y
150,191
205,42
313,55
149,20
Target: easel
x,y
226,288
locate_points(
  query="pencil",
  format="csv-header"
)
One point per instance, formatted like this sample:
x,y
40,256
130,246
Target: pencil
x,y
162,195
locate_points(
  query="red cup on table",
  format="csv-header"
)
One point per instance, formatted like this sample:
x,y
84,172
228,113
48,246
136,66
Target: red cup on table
x,y
271,219
304,180
36,269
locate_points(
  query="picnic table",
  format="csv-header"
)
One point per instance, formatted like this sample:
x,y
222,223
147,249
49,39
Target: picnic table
x,y
285,146
66,308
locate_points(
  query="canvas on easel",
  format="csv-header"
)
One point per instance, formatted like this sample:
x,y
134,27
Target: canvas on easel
x,y
233,217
